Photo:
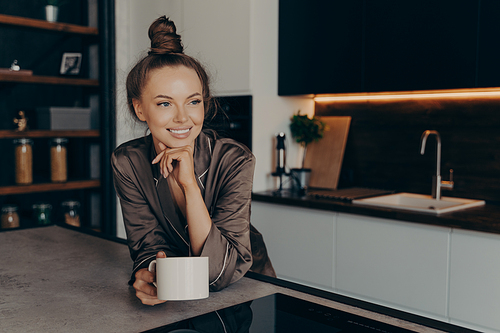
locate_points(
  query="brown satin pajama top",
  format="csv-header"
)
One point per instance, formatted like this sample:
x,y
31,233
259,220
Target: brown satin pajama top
x,y
224,169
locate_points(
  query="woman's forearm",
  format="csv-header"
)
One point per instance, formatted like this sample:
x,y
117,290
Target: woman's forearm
x,y
198,219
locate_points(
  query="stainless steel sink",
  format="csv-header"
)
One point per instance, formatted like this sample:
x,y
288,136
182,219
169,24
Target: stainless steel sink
x,y
419,203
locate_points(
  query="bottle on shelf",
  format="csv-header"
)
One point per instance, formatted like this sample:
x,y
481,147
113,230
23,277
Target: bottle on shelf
x,y
71,212
24,161
10,218
42,213
58,160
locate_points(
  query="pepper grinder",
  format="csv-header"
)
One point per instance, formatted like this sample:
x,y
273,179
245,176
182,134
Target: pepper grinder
x,y
280,159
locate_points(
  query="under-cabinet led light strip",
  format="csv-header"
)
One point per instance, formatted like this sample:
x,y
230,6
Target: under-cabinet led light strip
x,y
430,94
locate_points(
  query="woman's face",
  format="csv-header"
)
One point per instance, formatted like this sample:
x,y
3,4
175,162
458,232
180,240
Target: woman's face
x,y
172,105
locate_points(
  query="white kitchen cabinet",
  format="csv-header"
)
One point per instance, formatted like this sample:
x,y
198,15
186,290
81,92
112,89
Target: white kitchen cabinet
x,y
299,242
475,280
399,264
442,273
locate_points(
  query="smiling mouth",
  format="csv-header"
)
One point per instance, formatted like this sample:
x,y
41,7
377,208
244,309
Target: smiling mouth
x,y
180,131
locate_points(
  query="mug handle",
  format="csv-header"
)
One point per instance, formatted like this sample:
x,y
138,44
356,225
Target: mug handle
x,y
152,269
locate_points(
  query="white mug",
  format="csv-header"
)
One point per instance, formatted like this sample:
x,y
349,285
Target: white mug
x,y
181,278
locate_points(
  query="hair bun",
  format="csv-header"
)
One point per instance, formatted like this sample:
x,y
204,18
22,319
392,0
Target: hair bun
x,y
164,37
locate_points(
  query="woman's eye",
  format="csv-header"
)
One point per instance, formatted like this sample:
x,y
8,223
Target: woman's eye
x,y
164,104
195,102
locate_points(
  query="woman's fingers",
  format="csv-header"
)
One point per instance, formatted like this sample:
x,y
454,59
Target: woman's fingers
x,y
144,275
169,164
165,158
158,157
144,290
143,287
180,158
166,164
148,300
169,161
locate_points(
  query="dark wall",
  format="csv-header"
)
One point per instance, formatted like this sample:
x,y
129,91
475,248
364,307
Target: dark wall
x,y
383,147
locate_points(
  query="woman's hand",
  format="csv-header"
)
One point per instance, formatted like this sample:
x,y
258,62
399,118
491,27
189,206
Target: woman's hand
x,y
143,285
177,162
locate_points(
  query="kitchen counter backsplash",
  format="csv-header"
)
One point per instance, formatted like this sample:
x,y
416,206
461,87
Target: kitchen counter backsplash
x,y
383,147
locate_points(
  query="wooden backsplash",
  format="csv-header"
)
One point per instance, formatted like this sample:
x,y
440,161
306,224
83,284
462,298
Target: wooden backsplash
x,y
383,147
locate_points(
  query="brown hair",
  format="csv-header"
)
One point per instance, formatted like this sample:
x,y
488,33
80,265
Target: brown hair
x,y
166,50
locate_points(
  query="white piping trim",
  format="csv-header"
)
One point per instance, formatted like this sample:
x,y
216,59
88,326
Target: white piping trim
x,y
203,174
224,265
156,181
199,178
153,256
222,322
201,183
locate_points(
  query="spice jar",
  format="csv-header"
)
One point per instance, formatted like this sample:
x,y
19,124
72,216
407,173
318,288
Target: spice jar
x,y
42,213
24,161
71,212
58,160
10,218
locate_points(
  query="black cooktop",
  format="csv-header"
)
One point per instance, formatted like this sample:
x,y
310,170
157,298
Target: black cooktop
x,y
279,313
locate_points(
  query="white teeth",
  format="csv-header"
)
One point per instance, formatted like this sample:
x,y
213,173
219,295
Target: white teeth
x,y
179,131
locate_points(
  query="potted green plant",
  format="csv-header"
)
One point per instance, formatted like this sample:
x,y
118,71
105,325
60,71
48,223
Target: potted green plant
x,y
305,130
52,9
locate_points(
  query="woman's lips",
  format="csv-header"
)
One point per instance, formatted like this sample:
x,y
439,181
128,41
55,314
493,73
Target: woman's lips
x,y
179,133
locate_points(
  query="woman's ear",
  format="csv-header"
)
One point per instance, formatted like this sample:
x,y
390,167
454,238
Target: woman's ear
x,y
138,109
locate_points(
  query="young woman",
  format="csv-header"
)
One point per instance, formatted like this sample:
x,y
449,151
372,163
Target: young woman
x,y
183,191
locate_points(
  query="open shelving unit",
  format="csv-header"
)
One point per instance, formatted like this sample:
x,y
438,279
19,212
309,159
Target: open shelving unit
x,y
8,134
50,187
39,79
86,88
51,26
66,28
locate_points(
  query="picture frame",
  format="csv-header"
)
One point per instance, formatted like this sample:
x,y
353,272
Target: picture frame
x,y
71,63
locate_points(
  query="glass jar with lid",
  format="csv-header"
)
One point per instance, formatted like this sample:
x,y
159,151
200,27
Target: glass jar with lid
x,y
42,213
71,210
10,217
58,160
24,161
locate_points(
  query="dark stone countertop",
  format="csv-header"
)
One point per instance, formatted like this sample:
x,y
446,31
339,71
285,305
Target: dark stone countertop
x,y
57,279
485,218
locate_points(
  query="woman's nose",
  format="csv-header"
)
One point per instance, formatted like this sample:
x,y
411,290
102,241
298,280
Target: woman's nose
x,y
180,115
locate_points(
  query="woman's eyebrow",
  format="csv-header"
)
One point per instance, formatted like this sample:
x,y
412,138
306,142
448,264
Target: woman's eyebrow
x,y
168,97
193,95
163,96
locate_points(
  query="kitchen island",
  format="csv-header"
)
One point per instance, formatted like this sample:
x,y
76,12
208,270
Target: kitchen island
x,y
55,279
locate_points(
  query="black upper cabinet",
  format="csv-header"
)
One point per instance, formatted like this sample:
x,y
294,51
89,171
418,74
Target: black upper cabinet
x,y
420,45
320,46
387,45
488,74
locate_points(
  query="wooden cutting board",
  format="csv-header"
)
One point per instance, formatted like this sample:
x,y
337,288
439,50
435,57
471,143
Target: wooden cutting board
x,y
324,157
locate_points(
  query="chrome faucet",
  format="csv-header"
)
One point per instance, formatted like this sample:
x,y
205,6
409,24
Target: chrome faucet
x,y
437,183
